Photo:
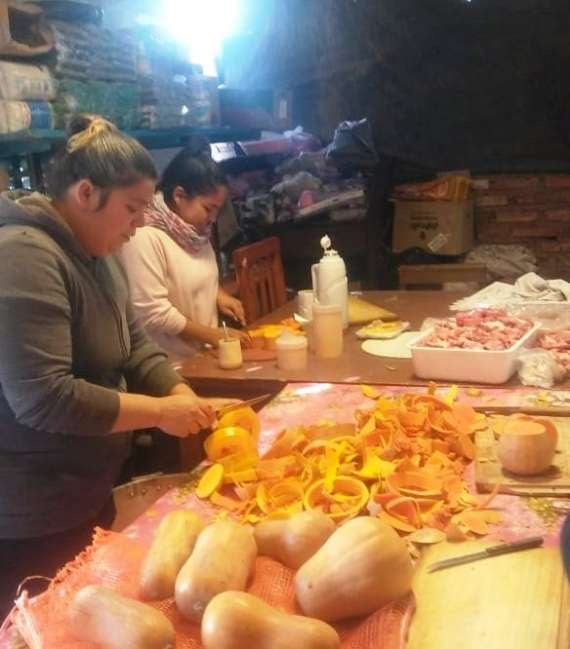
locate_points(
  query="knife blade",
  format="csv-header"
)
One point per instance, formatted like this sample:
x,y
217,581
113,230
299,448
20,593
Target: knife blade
x,y
493,551
242,404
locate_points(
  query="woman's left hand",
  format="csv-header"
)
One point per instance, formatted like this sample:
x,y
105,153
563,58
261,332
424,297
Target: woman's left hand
x,y
232,307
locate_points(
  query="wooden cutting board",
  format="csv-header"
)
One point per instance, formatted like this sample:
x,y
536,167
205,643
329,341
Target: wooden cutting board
x,y
516,601
489,473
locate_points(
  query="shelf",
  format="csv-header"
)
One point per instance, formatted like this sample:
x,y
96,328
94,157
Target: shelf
x,y
42,141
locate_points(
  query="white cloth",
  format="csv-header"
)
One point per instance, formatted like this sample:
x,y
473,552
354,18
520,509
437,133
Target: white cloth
x,y
503,260
170,286
529,288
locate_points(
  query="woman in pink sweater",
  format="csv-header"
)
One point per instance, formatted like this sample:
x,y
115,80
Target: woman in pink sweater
x,y
171,264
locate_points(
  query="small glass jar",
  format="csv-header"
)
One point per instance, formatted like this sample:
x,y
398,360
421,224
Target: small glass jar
x,y
291,351
229,354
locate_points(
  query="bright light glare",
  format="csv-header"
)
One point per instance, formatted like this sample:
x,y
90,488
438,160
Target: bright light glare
x,y
202,25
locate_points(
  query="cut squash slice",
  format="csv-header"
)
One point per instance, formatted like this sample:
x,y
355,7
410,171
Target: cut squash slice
x,y
210,481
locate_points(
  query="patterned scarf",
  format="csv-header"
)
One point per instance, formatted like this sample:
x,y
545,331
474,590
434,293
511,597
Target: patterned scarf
x,y
158,215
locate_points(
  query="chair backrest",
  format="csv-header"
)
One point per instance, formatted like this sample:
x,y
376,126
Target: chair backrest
x,y
260,277
430,275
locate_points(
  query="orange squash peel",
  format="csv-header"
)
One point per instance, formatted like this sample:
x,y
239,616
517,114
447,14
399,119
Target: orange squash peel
x,y
402,460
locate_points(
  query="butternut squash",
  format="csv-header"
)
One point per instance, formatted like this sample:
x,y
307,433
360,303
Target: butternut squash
x,y
236,620
101,616
172,545
361,567
293,540
223,559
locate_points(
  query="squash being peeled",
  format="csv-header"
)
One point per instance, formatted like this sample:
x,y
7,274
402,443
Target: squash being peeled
x,y
361,567
236,620
224,442
244,417
293,540
223,559
99,615
172,545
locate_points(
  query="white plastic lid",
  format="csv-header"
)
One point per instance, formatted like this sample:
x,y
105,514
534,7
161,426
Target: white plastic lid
x,y
287,340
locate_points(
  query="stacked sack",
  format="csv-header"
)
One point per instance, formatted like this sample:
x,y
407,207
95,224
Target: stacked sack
x,y
164,101
25,88
26,91
96,70
173,92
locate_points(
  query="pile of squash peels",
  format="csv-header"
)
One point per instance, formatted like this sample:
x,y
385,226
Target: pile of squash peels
x,y
402,461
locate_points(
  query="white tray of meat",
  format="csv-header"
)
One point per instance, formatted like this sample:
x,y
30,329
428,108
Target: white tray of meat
x,y
477,346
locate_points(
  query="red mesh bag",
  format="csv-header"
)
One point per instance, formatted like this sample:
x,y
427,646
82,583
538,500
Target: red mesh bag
x,y
114,560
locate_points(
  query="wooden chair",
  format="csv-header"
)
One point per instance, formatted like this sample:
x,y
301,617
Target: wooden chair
x,y
436,275
260,277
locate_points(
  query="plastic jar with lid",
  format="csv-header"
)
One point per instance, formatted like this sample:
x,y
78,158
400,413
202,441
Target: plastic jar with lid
x,y
291,351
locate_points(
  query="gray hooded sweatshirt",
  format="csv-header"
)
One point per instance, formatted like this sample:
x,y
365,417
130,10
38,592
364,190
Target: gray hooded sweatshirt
x,y
68,343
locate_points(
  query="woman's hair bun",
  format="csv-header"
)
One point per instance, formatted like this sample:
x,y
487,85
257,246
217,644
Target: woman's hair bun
x,y
84,128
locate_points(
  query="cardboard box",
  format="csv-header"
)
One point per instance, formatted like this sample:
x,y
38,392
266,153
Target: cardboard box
x,y
440,227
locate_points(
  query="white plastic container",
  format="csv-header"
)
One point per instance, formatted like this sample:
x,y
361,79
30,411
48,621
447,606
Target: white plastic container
x,y
469,365
327,330
291,351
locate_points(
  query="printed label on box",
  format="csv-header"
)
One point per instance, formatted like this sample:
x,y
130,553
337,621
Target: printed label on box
x,y
438,242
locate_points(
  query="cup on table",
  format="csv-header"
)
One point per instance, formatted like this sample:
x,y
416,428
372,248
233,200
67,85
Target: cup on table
x,y
229,353
305,300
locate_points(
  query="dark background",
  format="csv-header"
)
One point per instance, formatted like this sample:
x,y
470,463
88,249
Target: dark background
x,y
445,83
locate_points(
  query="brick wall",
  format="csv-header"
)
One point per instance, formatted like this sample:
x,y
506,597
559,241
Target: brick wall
x,y
533,210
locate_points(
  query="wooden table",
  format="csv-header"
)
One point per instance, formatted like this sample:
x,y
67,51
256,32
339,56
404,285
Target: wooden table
x,y
354,365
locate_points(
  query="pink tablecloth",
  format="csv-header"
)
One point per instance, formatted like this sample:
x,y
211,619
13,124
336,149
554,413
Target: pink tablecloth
x,y
300,404
303,404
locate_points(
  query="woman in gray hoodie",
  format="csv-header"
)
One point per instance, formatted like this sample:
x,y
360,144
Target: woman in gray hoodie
x,y
76,369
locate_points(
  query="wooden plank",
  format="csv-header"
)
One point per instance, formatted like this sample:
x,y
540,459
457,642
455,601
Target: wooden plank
x,y
488,470
508,602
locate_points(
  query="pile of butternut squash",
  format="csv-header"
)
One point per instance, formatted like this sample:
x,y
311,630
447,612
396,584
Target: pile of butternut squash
x,y
341,572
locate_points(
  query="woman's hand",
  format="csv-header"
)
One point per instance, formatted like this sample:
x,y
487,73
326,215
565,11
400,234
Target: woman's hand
x,y
231,307
182,415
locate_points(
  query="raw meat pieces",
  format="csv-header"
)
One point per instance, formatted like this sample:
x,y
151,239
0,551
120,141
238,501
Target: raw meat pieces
x,y
483,329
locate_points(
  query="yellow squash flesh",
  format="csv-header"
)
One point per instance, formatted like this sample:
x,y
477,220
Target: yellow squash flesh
x,y
172,545
236,620
223,559
294,540
99,615
361,567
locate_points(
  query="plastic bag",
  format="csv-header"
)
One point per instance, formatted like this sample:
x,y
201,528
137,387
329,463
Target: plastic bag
x,y
538,368
353,147
551,316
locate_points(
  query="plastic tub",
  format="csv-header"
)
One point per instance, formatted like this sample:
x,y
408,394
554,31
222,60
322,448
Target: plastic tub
x,y
291,351
469,365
